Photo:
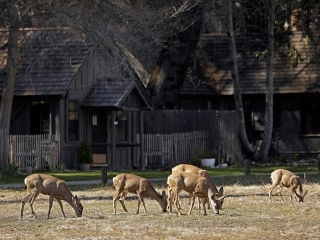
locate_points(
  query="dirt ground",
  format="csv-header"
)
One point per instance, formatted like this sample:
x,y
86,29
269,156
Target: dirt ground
x,y
246,214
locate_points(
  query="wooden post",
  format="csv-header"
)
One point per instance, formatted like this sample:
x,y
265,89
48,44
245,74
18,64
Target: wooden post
x,y
141,140
247,165
104,174
113,139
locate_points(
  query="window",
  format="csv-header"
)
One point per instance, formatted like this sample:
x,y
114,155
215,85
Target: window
x,y
310,115
122,126
40,117
73,121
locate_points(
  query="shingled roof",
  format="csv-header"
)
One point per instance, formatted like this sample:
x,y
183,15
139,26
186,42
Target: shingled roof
x,y
49,59
213,68
117,94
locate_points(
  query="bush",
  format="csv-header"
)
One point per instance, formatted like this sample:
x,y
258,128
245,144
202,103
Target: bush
x,y
85,153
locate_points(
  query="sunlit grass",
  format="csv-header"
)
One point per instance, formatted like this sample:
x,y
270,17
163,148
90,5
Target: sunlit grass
x,y
96,174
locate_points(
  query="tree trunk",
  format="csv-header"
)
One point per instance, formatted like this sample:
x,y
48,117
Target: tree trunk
x,y
267,135
9,81
248,148
170,71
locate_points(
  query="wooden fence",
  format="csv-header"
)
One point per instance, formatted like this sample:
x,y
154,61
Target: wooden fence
x,y
221,127
35,151
162,150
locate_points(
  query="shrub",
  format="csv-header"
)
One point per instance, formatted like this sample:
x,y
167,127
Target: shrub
x,y
85,153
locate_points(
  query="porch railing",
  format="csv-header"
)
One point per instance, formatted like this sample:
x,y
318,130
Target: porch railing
x,y
35,151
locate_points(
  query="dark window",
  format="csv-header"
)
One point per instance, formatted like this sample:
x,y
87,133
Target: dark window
x,y
310,115
100,126
40,117
122,126
73,122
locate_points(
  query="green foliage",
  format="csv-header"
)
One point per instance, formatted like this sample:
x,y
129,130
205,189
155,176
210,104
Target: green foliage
x,y
262,55
85,153
12,169
295,54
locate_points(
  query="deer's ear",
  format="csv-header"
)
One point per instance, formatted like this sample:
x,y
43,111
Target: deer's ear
x,y
221,191
164,194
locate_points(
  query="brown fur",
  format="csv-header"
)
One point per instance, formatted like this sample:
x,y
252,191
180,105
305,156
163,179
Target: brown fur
x,y
52,186
285,178
194,184
125,183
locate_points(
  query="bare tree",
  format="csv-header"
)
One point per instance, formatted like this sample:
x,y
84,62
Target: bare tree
x,y
234,71
267,135
125,30
9,81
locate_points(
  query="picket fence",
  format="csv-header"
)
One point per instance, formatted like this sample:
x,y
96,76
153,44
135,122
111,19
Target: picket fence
x,y
166,150
34,151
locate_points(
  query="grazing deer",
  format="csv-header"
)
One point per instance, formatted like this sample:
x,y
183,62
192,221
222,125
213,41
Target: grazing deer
x,y
285,178
125,183
195,185
52,186
201,172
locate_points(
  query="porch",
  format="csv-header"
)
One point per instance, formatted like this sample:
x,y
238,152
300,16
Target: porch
x,y
40,152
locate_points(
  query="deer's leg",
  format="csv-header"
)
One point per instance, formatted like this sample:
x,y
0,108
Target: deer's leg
x,y
139,201
31,201
170,199
50,204
199,203
192,203
176,201
279,191
61,207
204,200
121,200
115,197
208,202
23,202
270,191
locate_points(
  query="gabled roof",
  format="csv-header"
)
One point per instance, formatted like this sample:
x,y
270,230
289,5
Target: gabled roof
x,y
49,59
213,66
118,94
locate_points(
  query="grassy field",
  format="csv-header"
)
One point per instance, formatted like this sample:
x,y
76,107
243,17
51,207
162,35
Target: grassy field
x,y
246,214
96,175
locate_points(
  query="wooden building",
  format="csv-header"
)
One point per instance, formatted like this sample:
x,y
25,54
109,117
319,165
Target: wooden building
x,y
61,90
296,87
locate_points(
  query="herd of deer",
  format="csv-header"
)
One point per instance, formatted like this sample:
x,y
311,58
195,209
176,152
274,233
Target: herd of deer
x,y
184,177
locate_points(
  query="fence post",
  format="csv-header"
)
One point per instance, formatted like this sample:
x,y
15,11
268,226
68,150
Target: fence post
x,y
104,174
247,165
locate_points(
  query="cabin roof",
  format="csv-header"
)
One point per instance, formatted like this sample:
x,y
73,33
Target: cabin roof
x,y
112,93
49,59
212,74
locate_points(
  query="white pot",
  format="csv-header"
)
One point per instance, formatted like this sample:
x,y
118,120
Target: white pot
x,y
208,162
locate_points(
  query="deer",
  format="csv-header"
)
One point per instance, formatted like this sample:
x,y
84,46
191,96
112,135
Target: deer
x,y
125,183
52,186
284,178
195,185
200,172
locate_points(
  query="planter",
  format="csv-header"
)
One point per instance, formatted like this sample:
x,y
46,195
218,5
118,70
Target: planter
x,y
84,167
208,162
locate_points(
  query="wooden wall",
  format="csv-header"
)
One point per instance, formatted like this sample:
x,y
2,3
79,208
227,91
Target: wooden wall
x,y
221,125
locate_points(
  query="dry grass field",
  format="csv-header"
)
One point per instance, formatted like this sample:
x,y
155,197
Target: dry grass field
x,y
247,214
